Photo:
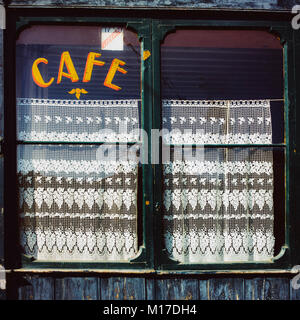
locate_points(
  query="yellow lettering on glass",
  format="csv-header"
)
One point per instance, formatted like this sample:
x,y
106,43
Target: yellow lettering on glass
x,y
66,60
111,73
90,62
36,74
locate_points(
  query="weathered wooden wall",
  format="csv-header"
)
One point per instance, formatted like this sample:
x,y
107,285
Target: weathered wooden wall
x,y
40,287
147,288
209,4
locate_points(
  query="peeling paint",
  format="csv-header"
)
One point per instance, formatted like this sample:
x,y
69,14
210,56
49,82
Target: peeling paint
x,y
263,289
193,4
189,296
117,293
207,288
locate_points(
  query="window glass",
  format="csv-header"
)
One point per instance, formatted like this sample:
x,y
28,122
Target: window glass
x,y
226,65
78,111
222,88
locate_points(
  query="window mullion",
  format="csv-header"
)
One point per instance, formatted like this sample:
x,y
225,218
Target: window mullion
x,y
159,31
146,253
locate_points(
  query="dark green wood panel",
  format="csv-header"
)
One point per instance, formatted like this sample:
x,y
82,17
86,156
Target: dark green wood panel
x,y
226,289
76,289
36,288
118,288
177,289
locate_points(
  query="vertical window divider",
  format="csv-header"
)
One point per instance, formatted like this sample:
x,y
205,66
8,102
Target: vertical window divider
x,y
285,36
146,253
159,31
295,85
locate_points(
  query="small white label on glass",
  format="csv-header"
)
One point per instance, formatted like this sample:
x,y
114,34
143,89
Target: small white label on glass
x,y
112,39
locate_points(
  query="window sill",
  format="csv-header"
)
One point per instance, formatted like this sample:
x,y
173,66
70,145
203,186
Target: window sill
x,y
145,272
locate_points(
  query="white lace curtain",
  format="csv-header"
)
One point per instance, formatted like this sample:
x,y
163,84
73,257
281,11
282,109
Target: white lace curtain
x,y
73,205
219,207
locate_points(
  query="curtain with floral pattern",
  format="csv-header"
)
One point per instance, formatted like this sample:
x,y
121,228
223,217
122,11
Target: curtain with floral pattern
x,y
77,203
218,201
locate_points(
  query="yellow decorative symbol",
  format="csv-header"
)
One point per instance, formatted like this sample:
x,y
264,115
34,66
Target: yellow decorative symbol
x,y
77,92
146,54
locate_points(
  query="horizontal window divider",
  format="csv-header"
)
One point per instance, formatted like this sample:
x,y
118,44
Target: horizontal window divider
x,y
220,267
244,145
222,23
224,100
84,266
81,271
237,271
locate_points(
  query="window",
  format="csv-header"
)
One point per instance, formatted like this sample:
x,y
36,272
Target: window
x,y
151,144
77,111
219,117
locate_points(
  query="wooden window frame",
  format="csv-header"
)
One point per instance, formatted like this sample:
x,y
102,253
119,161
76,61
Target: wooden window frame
x,y
286,35
152,257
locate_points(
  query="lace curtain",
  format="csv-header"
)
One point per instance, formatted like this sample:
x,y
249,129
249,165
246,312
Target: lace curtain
x,y
218,207
74,204
78,120
75,207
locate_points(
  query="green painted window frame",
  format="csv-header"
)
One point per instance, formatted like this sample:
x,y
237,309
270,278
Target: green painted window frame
x,y
287,257
143,259
152,256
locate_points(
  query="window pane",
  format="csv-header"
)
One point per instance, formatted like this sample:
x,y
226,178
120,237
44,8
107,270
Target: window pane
x,y
217,122
76,85
75,205
221,204
60,120
80,89
225,65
